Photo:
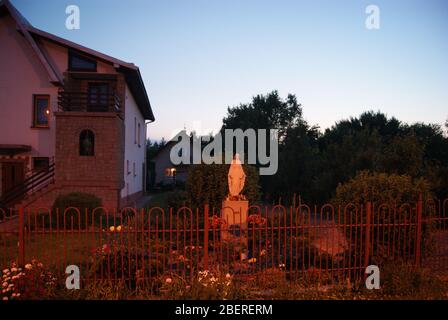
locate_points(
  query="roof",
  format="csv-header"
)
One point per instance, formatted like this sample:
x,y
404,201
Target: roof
x,y
130,71
13,149
168,144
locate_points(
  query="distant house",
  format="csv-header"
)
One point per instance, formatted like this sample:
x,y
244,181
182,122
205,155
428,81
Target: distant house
x,y
71,119
166,173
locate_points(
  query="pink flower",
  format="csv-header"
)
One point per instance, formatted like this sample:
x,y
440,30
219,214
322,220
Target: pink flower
x,y
106,248
168,280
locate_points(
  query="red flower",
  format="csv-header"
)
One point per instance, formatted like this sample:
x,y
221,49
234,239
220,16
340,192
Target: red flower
x,y
106,249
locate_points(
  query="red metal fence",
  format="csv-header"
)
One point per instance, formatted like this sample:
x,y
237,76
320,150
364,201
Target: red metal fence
x,y
306,243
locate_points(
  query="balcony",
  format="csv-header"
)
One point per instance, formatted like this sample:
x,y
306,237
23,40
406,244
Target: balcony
x,y
88,102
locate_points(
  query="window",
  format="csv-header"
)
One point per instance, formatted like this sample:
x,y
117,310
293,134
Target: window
x,y
135,130
133,169
41,111
86,143
139,134
79,62
170,172
98,94
127,167
41,163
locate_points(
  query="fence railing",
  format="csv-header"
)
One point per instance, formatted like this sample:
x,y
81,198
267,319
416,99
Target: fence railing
x,y
328,244
28,186
88,102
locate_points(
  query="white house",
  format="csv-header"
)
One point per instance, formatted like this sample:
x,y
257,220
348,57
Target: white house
x,y
71,119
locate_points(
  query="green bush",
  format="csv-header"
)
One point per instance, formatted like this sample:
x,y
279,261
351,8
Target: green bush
x,y
394,198
177,199
381,188
85,203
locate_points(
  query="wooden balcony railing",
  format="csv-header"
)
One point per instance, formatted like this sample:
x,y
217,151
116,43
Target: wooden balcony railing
x,y
85,102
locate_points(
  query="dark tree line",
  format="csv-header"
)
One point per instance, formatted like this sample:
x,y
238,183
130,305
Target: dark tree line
x,y
313,163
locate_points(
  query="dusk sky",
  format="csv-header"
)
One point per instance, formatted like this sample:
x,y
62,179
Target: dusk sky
x,y
199,57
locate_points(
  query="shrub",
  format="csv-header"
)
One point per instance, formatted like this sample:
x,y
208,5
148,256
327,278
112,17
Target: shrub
x,y
381,188
394,198
82,218
177,199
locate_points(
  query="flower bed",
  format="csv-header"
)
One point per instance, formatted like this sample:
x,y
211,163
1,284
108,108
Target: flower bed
x,y
32,282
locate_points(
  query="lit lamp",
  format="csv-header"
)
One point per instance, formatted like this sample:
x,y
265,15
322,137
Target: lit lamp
x,y
173,174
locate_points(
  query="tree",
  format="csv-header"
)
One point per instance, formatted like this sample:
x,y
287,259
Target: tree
x,y
299,163
403,155
265,112
313,164
377,143
268,111
153,147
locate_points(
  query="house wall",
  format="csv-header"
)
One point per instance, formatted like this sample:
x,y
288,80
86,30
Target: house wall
x,y
162,162
58,56
21,76
134,153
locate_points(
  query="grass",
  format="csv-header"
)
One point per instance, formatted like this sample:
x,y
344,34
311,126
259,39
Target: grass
x,y
261,288
158,200
54,250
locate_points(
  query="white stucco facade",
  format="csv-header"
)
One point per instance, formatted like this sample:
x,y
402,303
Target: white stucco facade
x,y
135,150
22,76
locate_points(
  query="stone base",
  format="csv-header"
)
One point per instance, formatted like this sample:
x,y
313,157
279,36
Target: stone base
x,y
235,215
235,212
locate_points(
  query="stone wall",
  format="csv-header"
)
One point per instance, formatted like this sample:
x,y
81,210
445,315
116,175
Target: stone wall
x,y
100,174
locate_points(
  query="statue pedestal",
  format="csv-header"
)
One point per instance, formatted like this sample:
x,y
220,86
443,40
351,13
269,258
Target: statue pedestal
x,y
235,214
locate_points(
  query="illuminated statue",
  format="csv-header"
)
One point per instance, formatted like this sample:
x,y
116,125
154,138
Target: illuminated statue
x,y
236,179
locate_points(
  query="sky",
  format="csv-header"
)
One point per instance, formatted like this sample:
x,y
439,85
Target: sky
x,y
198,57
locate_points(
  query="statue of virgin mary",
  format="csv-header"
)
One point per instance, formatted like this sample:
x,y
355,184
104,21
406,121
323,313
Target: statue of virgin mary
x,y
236,178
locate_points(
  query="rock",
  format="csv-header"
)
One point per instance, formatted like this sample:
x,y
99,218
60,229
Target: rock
x,y
329,239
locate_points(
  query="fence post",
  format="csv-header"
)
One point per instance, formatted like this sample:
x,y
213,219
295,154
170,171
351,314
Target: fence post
x,y
419,231
206,227
21,243
367,239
